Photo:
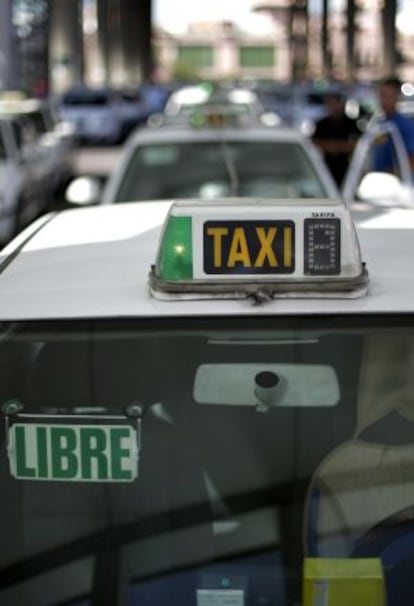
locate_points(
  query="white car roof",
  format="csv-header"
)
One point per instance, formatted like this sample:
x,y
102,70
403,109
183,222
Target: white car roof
x,y
94,263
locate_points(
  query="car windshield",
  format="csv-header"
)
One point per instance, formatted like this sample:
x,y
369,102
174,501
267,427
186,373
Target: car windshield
x,y
131,96
213,169
88,98
181,478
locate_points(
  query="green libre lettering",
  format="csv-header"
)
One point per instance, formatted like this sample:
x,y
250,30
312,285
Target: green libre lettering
x,y
70,453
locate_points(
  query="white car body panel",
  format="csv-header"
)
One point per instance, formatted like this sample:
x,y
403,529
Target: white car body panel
x,y
11,184
94,263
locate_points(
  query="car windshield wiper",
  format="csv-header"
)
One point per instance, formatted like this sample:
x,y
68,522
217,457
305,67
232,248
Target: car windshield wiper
x,y
231,170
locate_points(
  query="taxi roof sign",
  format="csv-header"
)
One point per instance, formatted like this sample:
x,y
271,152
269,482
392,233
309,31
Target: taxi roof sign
x,y
220,117
262,248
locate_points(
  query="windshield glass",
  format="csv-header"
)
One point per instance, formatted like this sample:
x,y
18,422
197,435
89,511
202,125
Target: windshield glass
x,y
86,98
214,169
192,461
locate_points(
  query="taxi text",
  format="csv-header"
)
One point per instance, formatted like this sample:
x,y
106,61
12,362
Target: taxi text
x,y
246,245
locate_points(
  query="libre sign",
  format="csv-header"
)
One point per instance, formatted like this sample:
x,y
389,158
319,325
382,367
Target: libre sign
x,y
85,453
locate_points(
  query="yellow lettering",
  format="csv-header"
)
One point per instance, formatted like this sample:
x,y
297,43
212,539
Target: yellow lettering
x,y
266,251
239,251
217,233
287,246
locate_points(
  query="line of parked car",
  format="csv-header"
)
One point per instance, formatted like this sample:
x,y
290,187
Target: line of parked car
x,y
214,142
36,160
190,141
106,115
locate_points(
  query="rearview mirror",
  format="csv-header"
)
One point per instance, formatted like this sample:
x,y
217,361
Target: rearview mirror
x,y
83,191
155,120
379,185
266,386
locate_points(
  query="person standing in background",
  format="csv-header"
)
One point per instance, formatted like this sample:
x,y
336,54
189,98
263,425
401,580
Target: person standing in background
x,y
336,136
389,92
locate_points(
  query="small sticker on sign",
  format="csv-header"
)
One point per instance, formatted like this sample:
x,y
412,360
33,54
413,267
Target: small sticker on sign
x,y
220,597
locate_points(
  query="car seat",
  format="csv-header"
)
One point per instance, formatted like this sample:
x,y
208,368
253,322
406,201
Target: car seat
x,y
361,496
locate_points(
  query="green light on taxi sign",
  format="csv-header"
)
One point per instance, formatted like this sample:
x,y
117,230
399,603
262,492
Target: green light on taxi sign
x,y
87,453
176,250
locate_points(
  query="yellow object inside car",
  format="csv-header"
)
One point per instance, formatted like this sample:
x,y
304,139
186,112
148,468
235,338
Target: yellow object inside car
x,y
341,582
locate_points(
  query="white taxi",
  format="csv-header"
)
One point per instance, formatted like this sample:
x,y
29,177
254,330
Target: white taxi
x,y
207,404
213,157
23,190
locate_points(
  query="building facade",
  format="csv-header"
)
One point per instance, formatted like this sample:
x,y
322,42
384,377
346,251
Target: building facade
x,y
221,50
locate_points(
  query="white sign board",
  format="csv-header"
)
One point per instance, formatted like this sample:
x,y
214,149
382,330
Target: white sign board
x,y
73,453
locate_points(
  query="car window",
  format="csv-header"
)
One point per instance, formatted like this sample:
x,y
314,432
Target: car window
x,y
130,96
39,121
27,130
33,124
294,438
219,169
17,133
90,98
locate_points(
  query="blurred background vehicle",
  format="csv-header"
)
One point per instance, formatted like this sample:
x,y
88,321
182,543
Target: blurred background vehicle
x,y
108,77
155,95
48,142
186,99
132,109
307,107
94,114
305,104
23,188
214,151
212,157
